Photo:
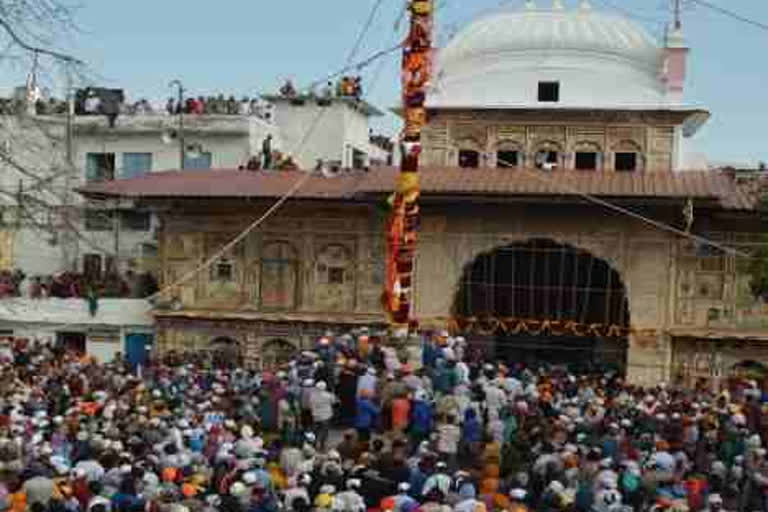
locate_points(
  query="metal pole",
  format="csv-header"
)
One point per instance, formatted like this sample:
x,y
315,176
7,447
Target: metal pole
x,y
66,211
182,146
116,227
403,224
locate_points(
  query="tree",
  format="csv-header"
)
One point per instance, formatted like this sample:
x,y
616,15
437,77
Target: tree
x,y
34,167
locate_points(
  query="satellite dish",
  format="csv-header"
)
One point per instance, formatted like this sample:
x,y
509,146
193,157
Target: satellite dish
x,y
169,136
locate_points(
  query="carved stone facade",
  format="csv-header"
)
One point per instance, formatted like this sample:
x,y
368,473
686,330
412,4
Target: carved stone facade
x,y
522,135
313,267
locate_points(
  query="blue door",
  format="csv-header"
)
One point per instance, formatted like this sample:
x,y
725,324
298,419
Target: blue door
x,y
137,348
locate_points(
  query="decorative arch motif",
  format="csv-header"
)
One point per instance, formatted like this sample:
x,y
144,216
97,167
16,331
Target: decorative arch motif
x,y
335,278
540,281
548,154
279,276
226,352
587,145
627,145
509,153
509,145
276,352
631,147
469,143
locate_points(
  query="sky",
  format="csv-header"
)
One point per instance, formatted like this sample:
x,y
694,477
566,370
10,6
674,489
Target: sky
x,y
247,47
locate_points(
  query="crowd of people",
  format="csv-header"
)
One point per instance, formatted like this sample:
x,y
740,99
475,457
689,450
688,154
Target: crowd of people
x,y
66,285
442,431
220,105
201,105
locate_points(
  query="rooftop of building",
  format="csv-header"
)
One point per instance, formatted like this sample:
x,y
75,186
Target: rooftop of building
x,y
598,59
708,188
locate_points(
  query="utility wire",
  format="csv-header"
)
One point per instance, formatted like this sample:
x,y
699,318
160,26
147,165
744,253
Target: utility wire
x,y
545,178
364,31
36,49
291,191
731,14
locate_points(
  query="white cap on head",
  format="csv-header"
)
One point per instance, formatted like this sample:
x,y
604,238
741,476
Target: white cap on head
x,y
353,483
403,487
517,494
321,385
238,489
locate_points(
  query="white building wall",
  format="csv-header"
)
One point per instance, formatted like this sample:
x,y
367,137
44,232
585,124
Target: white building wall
x,y
39,141
311,132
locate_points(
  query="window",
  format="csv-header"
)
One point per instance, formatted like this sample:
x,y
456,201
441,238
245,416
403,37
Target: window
x,y
99,166
469,159
549,92
547,160
335,275
110,265
586,161
358,159
626,161
507,159
99,220
223,271
136,164
92,266
135,221
278,279
199,161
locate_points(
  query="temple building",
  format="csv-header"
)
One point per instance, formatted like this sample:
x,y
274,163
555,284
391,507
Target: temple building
x,y
558,223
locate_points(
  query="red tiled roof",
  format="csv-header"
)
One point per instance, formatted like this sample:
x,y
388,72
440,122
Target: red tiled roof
x,y
702,185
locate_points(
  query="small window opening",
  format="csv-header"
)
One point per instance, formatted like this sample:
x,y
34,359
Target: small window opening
x,y
335,275
469,159
507,159
223,271
549,92
547,160
586,161
626,161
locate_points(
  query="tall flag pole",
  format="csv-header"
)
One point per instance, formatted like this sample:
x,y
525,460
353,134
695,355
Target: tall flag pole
x,y
404,220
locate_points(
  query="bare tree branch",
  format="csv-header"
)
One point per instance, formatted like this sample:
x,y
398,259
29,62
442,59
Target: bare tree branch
x,y
36,49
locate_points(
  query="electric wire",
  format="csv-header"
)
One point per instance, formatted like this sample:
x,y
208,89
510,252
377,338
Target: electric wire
x,y
274,207
731,14
544,178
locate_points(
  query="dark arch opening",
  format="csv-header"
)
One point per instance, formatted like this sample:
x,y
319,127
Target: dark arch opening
x,y
541,280
226,352
277,351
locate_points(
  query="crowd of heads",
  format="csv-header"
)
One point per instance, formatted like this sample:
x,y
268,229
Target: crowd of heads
x,y
66,285
220,105
437,429
345,87
200,105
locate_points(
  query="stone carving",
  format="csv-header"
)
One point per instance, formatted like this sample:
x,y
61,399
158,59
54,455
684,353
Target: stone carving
x,y
335,276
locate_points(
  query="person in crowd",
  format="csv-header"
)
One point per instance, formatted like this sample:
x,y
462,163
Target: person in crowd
x,y
451,431
266,152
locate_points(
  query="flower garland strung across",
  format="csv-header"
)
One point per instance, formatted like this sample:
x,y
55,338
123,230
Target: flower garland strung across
x,y
492,325
404,220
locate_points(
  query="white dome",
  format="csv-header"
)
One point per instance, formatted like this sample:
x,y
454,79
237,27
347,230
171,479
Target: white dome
x,y
600,60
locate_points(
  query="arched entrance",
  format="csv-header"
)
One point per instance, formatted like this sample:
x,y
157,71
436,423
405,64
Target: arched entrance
x,y
542,301
276,352
226,352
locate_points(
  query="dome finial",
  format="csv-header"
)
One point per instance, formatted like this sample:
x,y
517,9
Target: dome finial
x,y
557,5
